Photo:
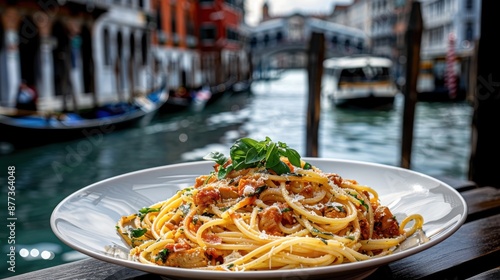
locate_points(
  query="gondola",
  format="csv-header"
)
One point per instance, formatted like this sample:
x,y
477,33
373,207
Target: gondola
x,y
206,95
220,90
23,129
241,86
178,100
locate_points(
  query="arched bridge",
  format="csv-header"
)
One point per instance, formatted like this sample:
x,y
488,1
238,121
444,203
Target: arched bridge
x,y
283,42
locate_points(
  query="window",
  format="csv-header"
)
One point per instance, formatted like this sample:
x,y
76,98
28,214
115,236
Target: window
x,y
119,41
279,36
231,34
400,3
173,18
208,33
132,44
106,44
144,49
158,18
469,31
347,44
335,40
189,23
253,42
360,46
469,4
436,36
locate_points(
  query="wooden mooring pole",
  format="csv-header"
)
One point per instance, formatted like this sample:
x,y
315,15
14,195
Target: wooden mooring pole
x,y
315,55
413,40
484,168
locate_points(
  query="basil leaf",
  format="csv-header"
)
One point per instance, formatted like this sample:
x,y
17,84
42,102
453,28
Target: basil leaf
x,y
272,159
239,151
293,156
218,157
253,156
281,168
249,153
224,171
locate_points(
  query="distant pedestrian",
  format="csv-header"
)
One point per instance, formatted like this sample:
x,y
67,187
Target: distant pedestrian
x,y
26,98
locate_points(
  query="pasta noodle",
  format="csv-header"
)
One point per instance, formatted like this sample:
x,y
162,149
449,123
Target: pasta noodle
x,y
254,219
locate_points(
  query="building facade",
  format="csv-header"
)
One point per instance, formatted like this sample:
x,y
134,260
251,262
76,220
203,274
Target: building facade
x,y
449,23
75,54
82,53
442,19
175,42
357,15
222,41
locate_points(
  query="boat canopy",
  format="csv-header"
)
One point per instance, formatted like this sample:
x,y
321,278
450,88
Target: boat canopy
x,y
356,62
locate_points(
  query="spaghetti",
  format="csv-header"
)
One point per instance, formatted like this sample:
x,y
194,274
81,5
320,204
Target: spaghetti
x,y
256,219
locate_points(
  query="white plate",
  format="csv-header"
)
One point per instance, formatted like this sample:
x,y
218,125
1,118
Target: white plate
x,y
86,219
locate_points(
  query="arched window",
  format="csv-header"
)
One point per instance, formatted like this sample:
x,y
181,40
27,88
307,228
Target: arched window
x,y
59,53
106,48
132,45
253,42
347,44
28,49
279,36
266,39
144,49
87,59
360,46
119,40
335,40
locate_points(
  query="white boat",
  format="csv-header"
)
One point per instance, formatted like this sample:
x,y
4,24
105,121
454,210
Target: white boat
x,y
363,81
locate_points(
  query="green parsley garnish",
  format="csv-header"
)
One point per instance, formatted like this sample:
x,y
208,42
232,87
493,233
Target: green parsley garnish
x,y
361,201
162,255
146,210
136,233
259,190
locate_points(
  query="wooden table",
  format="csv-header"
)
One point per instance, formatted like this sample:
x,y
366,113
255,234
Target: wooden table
x,y
473,252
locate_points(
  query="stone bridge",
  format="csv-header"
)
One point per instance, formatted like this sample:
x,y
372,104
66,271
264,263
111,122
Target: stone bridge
x,y
282,43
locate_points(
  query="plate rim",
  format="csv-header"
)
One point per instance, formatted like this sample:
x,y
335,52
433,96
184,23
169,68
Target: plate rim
x,y
359,267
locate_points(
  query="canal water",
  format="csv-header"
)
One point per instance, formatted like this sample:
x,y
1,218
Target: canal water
x,y
278,109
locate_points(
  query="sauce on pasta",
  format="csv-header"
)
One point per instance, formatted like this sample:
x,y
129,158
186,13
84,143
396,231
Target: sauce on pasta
x,y
254,218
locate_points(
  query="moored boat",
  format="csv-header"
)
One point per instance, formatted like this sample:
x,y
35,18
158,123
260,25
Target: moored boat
x,y
242,86
24,129
362,81
220,90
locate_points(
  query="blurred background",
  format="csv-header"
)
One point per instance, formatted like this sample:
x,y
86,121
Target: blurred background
x,y
94,89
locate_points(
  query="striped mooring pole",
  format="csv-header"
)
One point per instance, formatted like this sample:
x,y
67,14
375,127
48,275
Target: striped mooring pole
x,y
450,75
